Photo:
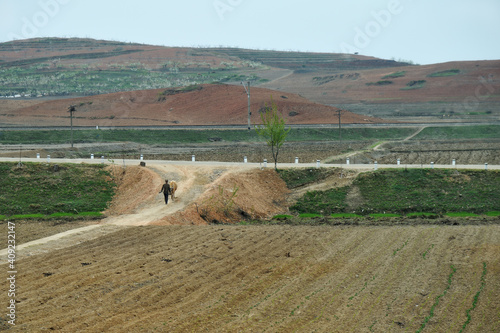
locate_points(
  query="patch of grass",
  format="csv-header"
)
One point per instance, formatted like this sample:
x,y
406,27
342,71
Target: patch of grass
x,y
422,214
449,72
345,215
432,191
58,215
380,83
27,216
496,213
425,193
382,215
461,214
189,136
309,215
460,132
414,85
322,202
395,75
37,189
3,217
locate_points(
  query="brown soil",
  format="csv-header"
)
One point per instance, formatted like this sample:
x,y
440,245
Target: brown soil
x,y
351,86
278,279
228,278
212,105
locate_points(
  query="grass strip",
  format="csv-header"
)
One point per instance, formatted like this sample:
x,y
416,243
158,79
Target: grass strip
x,y
461,214
309,215
476,299
496,213
421,214
459,133
436,303
345,216
173,136
382,215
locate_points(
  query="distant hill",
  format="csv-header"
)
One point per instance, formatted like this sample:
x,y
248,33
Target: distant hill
x,y
62,68
59,66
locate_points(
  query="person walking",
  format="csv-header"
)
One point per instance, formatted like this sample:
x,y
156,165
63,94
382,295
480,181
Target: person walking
x,y
166,190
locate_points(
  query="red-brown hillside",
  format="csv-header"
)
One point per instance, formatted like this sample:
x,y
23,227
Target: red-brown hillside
x,y
213,104
382,85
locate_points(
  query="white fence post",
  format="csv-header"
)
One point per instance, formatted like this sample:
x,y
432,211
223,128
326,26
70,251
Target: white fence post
x,y
48,158
485,166
399,161
38,155
376,165
318,162
265,163
91,156
245,159
193,158
348,161
296,160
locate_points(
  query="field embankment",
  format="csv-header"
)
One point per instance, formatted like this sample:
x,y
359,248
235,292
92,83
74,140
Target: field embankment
x,y
404,191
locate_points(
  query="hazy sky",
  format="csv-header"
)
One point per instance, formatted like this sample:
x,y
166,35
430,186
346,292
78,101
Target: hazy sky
x,y
424,31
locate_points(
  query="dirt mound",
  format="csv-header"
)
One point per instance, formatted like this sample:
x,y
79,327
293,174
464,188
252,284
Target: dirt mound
x,y
206,195
235,196
213,104
136,185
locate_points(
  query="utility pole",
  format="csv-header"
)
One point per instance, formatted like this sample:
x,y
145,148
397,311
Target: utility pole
x,y
340,124
71,109
247,89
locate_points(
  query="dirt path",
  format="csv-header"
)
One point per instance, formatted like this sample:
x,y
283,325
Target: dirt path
x,y
415,134
138,203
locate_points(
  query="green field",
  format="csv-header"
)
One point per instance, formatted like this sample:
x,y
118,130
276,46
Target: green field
x,y
419,191
36,190
203,136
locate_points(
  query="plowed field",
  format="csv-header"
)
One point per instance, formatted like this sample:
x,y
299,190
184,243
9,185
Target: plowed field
x,y
256,279
236,278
